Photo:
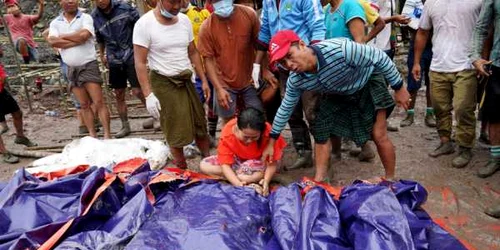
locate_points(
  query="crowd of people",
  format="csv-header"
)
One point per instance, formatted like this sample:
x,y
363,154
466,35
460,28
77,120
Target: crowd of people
x,y
324,67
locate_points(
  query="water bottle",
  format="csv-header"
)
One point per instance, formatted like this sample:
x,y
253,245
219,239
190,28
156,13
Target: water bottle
x,y
51,113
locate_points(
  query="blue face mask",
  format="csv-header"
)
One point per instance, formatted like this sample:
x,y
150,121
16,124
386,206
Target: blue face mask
x,y
165,13
223,8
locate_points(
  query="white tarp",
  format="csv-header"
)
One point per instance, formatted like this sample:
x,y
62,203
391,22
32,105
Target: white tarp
x,y
103,153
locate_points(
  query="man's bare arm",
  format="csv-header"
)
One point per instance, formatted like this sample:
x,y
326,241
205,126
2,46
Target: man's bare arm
x,y
78,37
57,42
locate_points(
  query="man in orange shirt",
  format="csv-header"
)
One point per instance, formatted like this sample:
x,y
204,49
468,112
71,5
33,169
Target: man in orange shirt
x,y
226,42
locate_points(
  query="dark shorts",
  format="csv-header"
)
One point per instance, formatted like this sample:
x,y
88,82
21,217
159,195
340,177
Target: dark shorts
x,y
33,52
79,75
249,97
8,104
425,67
491,103
352,116
119,74
201,95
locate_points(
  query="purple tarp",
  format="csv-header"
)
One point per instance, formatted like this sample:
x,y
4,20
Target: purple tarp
x,y
207,214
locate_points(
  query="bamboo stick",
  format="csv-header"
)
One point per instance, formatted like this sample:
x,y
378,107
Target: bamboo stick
x,y
132,133
31,154
37,148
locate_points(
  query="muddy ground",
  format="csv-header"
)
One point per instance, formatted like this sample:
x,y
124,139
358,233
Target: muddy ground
x,y
457,197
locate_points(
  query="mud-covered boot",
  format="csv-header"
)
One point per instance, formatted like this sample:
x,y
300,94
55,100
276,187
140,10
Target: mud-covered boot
x,y
493,211
463,158
392,127
23,140
303,161
489,169
430,120
9,158
408,121
124,131
367,154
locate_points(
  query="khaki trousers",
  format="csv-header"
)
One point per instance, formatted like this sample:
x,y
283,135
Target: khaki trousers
x,y
455,91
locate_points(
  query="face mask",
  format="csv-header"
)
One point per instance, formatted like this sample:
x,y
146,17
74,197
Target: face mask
x,y
165,13
184,10
223,8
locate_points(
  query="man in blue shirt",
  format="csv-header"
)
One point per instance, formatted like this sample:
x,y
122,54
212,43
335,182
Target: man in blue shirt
x,y
114,23
306,18
355,101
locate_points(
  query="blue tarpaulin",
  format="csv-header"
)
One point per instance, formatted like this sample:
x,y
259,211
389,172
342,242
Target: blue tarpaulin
x,y
143,209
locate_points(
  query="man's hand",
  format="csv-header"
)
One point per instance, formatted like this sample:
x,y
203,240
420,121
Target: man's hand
x,y
268,154
402,98
401,19
153,106
480,65
224,98
416,71
256,75
104,61
206,91
270,78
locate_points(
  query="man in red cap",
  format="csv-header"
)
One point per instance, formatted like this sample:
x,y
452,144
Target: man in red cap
x,y
355,101
21,29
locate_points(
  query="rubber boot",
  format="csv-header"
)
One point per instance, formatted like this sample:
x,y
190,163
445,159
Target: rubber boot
x,y
124,131
430,120
367,153
303,161
408,121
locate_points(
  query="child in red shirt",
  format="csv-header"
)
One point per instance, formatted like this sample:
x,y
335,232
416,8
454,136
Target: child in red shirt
x,y
240,149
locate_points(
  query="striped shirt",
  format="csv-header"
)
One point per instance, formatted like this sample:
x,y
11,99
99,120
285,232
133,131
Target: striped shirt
x,y
344,68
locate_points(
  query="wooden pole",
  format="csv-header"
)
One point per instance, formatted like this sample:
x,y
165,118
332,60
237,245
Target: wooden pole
x,y
37,148
32,154
13,47
132,133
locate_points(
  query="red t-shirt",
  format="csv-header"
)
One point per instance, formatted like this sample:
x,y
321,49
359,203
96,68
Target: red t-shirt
x,y
22,26
230,146
3,75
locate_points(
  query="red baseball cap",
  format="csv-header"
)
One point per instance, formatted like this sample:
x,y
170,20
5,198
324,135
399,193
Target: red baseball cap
x,y
280,44
11,2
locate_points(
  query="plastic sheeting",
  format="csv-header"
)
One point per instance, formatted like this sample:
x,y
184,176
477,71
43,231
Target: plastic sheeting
x,y
136,208
103,153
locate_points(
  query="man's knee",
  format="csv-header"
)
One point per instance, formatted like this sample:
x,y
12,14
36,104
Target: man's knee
x,y
85,105
17,115
465,111
137,92
379,135
120,95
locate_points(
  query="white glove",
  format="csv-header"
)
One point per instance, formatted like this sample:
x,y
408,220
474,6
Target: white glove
x,y
153,106
256,74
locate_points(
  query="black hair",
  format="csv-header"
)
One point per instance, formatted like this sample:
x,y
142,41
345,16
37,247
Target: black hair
x,y
252,118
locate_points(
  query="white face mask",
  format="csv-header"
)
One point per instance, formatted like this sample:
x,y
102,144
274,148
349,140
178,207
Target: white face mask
x,y
223,8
